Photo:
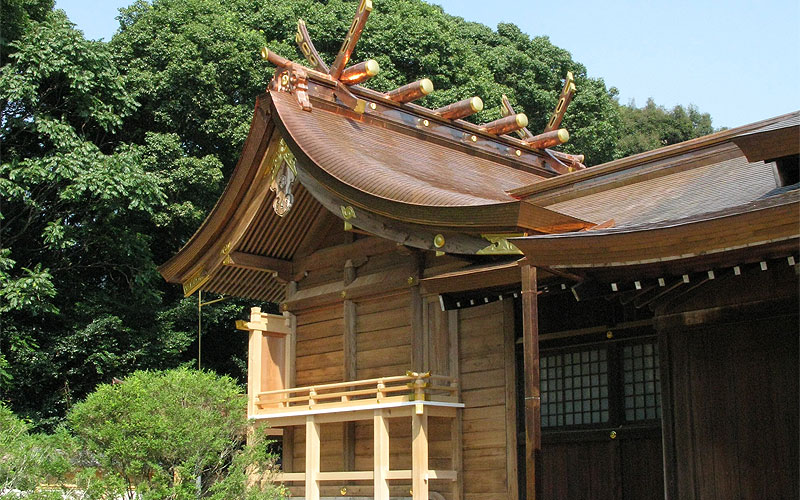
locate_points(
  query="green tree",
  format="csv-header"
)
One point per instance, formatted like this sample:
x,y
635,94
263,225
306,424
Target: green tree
x,y
194,67
653,126
160,431
78,285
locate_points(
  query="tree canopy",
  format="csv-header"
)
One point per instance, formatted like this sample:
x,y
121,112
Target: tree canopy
x,y
113,154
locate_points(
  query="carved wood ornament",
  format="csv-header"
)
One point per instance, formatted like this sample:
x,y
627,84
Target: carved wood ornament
x,y
283,173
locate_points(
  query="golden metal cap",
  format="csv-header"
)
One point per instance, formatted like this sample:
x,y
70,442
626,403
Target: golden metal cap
x,y
522,120
372,67
476,104
426,86
563,135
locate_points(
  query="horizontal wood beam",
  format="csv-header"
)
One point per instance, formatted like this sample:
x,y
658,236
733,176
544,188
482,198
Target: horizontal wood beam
x,y
281,268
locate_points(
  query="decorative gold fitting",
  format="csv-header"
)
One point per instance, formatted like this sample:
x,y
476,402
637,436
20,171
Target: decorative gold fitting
x,y
613,435
438,241
348,212
439,253
518,152
226,249
343,491
609,334
285,307
425,122
373,106
344,294
195,281
265,53
500,245
474,138
410,280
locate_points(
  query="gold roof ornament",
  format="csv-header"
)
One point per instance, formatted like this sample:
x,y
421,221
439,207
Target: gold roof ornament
x,y
500,244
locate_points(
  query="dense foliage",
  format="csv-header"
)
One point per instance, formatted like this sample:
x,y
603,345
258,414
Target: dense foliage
x,y
32,459
158,432
113,153
178,434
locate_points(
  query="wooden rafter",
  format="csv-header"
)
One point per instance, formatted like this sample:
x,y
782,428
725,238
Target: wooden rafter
x,y
281,268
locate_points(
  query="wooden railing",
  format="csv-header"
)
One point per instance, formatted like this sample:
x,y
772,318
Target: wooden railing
x,y
409,387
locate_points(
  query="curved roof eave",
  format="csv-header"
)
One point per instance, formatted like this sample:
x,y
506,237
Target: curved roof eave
x,y
175,270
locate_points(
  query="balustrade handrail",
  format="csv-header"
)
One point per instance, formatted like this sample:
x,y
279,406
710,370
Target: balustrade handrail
x,y
417,386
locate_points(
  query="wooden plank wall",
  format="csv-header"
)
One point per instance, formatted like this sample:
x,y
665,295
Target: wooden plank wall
x,y
390,331
383,336
482,358
320,360
735,410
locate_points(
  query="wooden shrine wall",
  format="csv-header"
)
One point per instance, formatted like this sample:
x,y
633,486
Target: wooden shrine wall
x,y
731,389
319,360
486,356
391,330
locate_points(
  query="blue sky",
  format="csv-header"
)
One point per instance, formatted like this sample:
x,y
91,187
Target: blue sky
x,y
737,60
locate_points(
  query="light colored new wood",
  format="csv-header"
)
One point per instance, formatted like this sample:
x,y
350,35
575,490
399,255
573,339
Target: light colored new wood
x,y
419,454
482,360
381,455
312,458
530,339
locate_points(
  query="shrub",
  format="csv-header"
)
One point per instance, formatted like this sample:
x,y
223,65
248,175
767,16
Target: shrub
x,y
28,461
173,434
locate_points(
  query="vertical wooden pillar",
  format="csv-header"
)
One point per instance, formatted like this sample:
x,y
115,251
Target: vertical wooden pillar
x,y
417,331
254,349
288,432
509,343
419,454
349,342
381,455
457,425
312,458
530,340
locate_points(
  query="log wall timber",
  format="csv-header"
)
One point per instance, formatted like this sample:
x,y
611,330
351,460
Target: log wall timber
x,y
355,319
482,359
319,360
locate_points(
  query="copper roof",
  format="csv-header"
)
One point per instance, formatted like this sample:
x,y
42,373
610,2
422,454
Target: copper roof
x,y
765,222
712,187
396,164
408,175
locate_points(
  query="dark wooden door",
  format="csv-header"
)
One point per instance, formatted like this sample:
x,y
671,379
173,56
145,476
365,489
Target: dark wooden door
x,y
592,465
601,422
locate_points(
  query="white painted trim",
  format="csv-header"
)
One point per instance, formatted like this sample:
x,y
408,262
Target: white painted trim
x,y
355,408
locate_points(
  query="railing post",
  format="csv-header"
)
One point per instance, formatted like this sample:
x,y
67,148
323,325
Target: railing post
x,y
379,394
381,455
419,452
312,458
